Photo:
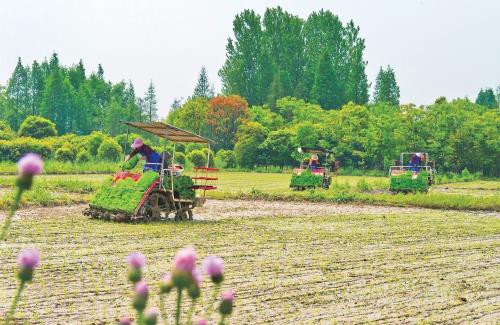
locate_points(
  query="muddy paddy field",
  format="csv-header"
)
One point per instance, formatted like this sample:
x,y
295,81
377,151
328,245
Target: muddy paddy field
x,y
288,262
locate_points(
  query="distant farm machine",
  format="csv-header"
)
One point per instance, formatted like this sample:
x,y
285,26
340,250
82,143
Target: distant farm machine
x,y
312,173
153,196
413,172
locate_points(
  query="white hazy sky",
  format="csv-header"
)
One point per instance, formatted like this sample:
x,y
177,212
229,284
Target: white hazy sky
x,y
437,47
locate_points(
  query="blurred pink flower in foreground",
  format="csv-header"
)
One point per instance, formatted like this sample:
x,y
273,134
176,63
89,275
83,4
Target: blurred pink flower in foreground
x,y
136,260
141,288
228,296
29,258
31,164
185,260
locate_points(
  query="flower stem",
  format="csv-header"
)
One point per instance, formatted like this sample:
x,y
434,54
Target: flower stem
x,y
190,312
214,298
13,208
222,319
13,306
178,309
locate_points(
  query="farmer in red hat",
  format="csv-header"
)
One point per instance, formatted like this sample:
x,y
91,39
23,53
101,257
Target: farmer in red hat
x,y
153,159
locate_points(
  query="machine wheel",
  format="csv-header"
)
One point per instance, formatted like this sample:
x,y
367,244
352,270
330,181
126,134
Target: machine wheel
x,y
155,204
181,215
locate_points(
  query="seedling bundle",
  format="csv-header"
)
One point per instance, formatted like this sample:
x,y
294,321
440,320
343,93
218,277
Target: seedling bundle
x,y
406,182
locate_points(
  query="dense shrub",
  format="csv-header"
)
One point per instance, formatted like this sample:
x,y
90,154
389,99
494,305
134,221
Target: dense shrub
x,y
83,156
6,132
197,158
180,158
227,158
65,153
109,150
37,127
93,141
14,149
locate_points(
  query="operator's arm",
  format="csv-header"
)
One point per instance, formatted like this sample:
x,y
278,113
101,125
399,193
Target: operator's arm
x,y
133,153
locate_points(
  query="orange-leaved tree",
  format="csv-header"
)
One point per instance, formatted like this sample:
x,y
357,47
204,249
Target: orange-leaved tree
x,y
224,115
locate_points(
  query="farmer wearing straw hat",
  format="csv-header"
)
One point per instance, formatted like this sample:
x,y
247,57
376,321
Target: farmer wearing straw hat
x,y
153,159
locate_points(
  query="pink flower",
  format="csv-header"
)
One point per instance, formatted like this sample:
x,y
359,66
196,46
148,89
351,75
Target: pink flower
x,y
185,260
213,266
201,321
136,260
151,316
31,164
197,278
167,278
29,258
124,321
141,288
228,296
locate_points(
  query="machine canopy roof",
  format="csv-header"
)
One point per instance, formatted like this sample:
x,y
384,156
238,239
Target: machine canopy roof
x,y
317,151
168,132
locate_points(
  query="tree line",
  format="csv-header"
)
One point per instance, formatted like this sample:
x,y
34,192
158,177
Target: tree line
x,y
75,101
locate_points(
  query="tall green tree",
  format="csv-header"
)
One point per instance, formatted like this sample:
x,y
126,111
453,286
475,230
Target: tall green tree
x,y
203,87
386,87
326,90
246,71
150,103
487,98
57,104
18,93
37,86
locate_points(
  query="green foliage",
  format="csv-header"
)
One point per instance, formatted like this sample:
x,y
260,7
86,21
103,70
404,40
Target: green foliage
x,y
487,98
363,185
37,127
197,158
66,153
191,116
109,150
247,148
280,54
180,158
386,87
227,158
306,179
183,186
77,102
6,132
406,183
13,150
93,141
125,195
83,156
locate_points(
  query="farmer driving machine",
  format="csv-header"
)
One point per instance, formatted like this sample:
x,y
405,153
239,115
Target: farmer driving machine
x,y
413,172
158,192
311,173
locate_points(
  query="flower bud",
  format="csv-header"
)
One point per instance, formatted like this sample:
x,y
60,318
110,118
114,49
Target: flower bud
x,y
151,317
134,275
124,321
226,305
214,267
28,260
141,295
166,283
194,291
